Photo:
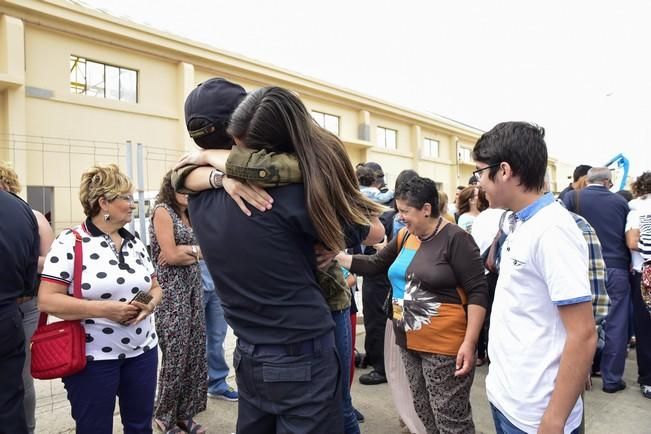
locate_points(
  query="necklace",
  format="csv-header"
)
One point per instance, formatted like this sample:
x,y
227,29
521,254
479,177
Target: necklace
x,y
436,229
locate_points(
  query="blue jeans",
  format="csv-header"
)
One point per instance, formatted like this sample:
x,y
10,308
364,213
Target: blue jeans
x,y
216,328
343,342
92,393
613,356
504,426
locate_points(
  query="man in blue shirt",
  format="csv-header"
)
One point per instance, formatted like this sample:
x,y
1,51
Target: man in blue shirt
x,y
606,212
19,250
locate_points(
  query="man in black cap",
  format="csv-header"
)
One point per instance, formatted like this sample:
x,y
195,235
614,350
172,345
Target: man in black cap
x,y
579,172
206,123
19,250
207,114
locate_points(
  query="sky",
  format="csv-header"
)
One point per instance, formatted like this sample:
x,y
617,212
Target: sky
x,y
581,69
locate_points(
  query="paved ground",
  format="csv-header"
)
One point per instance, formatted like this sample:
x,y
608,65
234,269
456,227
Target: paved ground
x,y
624,412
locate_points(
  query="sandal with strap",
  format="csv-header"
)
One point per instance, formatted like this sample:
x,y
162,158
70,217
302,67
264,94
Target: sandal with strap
x,y
174,429
191,427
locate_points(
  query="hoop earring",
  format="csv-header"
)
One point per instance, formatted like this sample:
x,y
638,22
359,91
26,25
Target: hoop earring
x,y
107,217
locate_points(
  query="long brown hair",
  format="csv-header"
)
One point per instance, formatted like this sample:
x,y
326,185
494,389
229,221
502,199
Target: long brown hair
x,y
274,119
167,195
466,195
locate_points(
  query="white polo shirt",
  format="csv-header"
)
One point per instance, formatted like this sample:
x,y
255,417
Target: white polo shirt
x,y
544,265
106,275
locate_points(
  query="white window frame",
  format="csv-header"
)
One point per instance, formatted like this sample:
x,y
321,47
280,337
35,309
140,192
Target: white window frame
x,y
465,154
383,138
326,121
120,77
431,148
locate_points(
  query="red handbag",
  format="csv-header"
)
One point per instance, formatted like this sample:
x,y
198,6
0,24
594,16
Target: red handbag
x,y
59,349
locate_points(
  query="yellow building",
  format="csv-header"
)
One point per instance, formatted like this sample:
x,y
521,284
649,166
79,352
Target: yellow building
x,y
76,84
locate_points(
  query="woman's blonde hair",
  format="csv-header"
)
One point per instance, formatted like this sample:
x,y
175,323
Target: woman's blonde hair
x,y
9,178
102,181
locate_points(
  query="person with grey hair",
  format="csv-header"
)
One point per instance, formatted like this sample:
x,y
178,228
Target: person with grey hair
x,y
607,212
600,175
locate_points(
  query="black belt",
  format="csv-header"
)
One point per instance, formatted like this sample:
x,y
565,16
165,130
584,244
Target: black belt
x,y
309,346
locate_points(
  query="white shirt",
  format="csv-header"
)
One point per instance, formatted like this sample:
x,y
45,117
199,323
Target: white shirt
x,y
485,227
638,207
106,276
544,264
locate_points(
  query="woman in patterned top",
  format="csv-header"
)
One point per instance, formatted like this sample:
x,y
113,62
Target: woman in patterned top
x,y
180,319
439,302
121,346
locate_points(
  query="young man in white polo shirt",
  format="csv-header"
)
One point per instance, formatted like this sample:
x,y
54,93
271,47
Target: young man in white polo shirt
x,y
542,337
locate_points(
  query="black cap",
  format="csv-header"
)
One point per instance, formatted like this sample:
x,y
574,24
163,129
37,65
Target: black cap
x,y
580,171
207,110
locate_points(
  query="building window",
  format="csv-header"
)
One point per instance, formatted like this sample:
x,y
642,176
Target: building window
x,y
327,121
104,81
387,138
431,148
465,155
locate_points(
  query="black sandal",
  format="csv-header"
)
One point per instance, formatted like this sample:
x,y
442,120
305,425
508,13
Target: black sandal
x,y
191,427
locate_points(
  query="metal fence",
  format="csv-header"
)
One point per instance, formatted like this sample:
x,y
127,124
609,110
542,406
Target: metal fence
x,y
50,168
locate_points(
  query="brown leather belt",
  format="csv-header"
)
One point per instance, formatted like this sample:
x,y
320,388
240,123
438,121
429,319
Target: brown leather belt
x,y
21,300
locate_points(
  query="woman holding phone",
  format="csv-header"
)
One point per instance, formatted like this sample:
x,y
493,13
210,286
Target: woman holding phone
x,y
121,346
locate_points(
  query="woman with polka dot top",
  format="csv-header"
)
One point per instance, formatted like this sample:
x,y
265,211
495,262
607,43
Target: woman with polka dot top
x,y
180,319
121,343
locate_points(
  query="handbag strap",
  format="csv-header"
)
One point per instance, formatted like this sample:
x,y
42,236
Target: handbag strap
x,y
403,234
76,279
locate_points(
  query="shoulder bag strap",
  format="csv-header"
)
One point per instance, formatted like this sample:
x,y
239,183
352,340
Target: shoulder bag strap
x,y
76,280
79,260
403,234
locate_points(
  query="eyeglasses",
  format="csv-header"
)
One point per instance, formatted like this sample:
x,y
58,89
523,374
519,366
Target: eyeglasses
x,y
477,173
127,197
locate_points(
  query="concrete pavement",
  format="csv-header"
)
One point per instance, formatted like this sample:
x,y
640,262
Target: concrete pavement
x,y
624,412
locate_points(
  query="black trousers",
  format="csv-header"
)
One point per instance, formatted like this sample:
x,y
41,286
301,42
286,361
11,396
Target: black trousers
x,y
12,358
288,394
482,343
374,293
642,322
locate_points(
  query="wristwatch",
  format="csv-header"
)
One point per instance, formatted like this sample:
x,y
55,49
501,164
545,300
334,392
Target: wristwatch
x,y
216,178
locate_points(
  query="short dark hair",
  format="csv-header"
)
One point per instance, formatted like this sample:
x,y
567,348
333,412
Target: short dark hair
x,y
626,195
419,191
520,144
365,176
579,171
405,176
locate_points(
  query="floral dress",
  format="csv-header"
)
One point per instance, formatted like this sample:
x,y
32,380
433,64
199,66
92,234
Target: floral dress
x,y
181,328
